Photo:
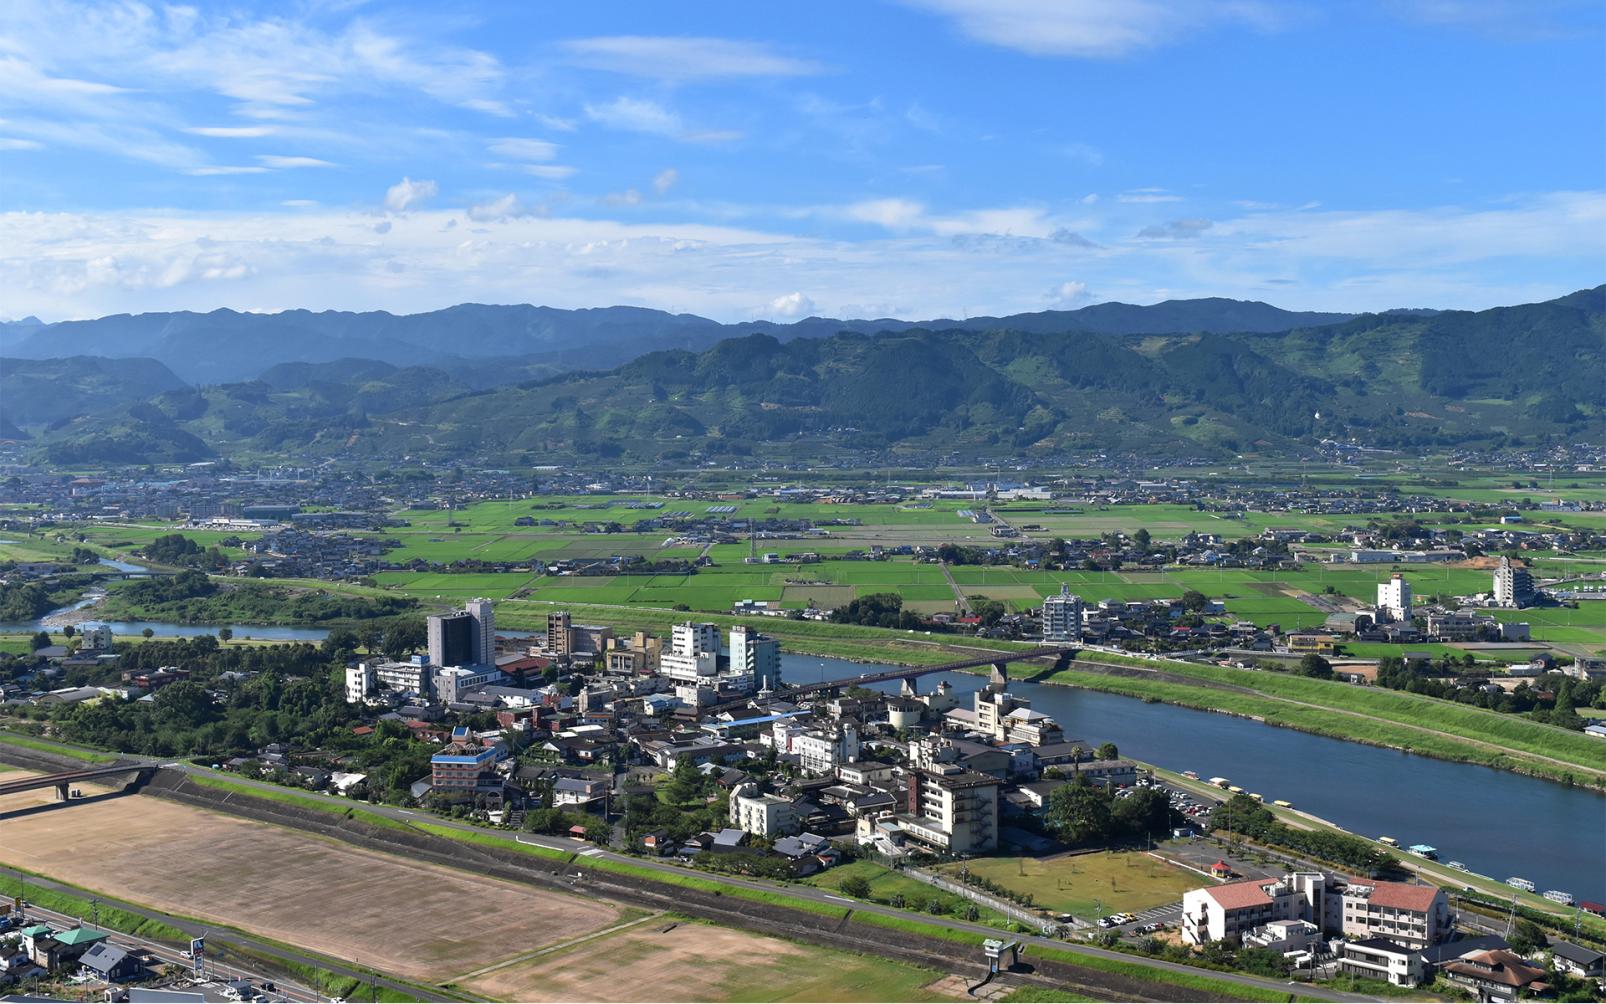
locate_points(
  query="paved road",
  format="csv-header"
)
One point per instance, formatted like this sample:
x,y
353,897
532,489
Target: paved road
x,y
217,971
798,891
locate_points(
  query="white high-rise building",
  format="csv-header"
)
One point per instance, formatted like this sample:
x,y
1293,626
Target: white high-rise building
x,y
1513,586
1394,599
359,683
1062,616
693,655
755,660
484,631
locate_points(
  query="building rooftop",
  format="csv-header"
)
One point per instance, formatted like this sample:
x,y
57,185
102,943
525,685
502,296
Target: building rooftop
x,y
1241,895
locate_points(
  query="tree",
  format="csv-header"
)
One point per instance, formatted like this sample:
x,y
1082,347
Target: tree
x,y
856,886
1079,814
68,631
1194,601
1527,937
148,633
1145,812
1108,751
1314,665
40,640
341,643
1142,539
402,638
224,634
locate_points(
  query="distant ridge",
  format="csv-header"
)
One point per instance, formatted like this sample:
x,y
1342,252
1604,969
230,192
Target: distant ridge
x,y
227,345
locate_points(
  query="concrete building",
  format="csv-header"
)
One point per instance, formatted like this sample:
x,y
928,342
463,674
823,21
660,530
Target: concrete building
x,y
95,638
1394,600
1062,617
760,814
462,766
1382,959
411,677
755,660
1414,916
484,634
464,638
1007,718
451,639
952,810
452,683
1513,586
821,751
693,655
557,633
639,654
359,682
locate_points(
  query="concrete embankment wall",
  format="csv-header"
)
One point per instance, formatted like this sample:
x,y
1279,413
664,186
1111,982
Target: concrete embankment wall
x,y
835,932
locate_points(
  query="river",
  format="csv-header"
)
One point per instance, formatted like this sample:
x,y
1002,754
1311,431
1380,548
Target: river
x,y
1495,822
160,629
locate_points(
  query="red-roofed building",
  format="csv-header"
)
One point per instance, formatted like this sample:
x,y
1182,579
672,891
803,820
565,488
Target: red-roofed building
x,y
1221,870
1414,916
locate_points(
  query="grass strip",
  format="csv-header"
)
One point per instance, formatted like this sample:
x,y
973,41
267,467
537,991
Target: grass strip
x,y
489,840
58,749
109,917
300,801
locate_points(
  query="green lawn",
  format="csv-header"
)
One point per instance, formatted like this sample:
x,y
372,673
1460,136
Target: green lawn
x,y
1087,885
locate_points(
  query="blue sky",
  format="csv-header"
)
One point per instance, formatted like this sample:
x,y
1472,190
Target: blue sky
x,y
920,158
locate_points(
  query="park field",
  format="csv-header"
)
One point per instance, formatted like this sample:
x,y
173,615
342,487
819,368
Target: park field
x,y
406,918
663,959
1087,885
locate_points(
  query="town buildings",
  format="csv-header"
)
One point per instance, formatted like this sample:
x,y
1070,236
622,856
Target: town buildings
x,y
1513,586
1394,600
1062,617
1413,916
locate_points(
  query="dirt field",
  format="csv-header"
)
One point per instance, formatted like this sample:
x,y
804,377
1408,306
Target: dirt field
x,y
416,921
704,962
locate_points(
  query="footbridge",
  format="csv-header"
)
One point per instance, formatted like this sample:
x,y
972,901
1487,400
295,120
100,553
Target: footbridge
x,y
64,780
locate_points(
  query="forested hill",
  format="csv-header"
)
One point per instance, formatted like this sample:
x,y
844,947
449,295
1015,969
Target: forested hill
x,y
227,346
1407,380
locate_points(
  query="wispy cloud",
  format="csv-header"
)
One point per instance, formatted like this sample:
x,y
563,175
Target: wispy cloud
x,y
669,57
1176,229
409,194
1094,28
276,161
653,119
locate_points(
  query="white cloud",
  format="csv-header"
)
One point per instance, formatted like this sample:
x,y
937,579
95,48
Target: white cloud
x,y
1523,248
1094,28
273,160
791,305
664,180
628,197
299,203
1148,195
894,214
640,115
685,58
1176,229
524,149
232,132
1069,294
12,143
224,169
508,207
551,172
407,194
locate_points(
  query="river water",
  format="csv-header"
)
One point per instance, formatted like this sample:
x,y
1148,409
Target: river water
x,y
1497,823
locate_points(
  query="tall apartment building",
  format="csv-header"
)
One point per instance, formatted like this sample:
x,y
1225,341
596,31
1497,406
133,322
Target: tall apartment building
x,y
821,751
484,630
1062,616
451,639
952,810
1010,719
1513,586
693,655
464,638
762,815
557,633
1394,599
359,682
755,660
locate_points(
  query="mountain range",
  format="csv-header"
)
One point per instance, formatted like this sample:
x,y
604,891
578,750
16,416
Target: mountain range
x,y
1200,377
226,346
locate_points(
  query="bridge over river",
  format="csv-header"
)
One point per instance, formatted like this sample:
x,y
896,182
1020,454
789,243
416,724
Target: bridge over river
x,y
64,780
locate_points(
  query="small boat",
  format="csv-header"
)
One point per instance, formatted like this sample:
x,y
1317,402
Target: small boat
x,y
1425,851
1236,790
1520,883
1283,803
1191,775
1390,841
1220,782
1256,796
1458,866
1557,896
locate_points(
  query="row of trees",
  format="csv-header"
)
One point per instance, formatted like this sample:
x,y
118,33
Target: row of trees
x,y
1245,817
1083,815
